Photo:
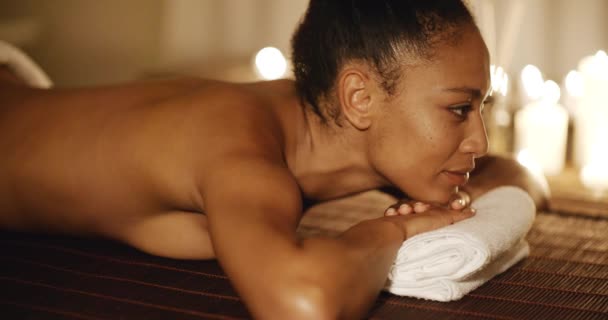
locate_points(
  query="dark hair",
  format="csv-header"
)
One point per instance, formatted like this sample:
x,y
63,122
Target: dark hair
x,y
375,31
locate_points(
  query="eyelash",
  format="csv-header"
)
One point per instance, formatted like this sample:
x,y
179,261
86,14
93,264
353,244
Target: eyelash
x,y
464,110
467,108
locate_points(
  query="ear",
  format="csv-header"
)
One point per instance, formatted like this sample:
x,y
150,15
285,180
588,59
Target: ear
x,y
356,97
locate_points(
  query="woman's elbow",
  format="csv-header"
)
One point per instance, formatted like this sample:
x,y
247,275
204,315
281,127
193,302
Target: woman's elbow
x,y
306,300
494,171
534,183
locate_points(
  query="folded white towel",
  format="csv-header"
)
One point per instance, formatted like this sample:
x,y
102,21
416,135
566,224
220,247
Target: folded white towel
x,y
447,263
23,66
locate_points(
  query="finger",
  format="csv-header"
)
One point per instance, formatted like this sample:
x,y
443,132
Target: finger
x,y
435,219
458,204
420,207
460,215
405,209
390,212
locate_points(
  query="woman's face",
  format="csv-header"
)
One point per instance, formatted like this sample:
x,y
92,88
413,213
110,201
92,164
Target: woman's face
x,y
431,130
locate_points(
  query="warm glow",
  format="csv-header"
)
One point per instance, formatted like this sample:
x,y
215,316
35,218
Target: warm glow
x,y
532,80
499,79
270,63
502,117
574,84
551,93
496,77
504,88
541,127
601,63
591,109
527,160
596,65
595,175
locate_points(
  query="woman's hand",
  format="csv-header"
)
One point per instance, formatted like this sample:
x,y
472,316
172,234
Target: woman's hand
x,y
460,201
422,217
434,217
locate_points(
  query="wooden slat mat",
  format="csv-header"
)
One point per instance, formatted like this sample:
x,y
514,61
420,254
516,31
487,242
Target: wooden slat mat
x,y
50,277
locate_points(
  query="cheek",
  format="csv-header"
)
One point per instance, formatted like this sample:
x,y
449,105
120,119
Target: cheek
x,y
435,140
408,149
414,153
439,141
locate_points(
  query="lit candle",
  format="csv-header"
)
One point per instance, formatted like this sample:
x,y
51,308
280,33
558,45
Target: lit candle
x,y
574,87
525,159
541,127
592,110
531,84
499,120
594,175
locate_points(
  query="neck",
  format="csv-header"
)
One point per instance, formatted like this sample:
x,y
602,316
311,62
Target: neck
x,y
329,161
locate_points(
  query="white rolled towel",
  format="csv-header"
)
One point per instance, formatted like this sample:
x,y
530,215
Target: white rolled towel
x,y
447,263
23,66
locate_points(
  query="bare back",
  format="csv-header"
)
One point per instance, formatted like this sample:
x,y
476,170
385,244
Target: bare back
x,y
126,161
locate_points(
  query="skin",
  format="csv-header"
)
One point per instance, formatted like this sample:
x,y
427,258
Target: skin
x,y
196,169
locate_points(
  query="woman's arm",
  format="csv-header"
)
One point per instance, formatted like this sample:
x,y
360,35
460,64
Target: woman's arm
x,y
253,213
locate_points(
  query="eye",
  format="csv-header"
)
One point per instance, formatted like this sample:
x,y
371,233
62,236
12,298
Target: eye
x,y
461,110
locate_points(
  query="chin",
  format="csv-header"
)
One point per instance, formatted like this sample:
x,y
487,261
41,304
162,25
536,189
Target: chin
x,y
434,192
439,196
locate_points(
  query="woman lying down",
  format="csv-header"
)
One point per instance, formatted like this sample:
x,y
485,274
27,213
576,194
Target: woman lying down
x,y
386,94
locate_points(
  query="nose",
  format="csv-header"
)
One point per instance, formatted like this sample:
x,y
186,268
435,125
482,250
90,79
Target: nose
x,y
476,138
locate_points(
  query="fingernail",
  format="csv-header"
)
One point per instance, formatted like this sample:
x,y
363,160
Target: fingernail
x,y
391,212
419,206
405,209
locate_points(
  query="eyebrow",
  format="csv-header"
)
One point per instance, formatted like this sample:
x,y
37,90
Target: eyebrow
x,y
476,93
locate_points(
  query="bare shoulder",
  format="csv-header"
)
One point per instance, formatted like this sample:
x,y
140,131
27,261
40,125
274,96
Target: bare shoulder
x,y
230,106
230,119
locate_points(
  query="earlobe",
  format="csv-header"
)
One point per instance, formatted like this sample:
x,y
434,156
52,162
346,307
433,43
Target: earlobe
x,y
355,98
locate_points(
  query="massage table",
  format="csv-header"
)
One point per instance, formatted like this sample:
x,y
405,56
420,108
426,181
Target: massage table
x,y
59,277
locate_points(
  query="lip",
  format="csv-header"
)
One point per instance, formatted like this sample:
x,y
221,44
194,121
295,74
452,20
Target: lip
x,y
457,178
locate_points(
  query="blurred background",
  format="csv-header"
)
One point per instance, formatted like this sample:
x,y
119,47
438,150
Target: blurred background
x,y
550,72
81,42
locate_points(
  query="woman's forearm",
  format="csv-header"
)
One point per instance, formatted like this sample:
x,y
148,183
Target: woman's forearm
x,y
341,277
348,272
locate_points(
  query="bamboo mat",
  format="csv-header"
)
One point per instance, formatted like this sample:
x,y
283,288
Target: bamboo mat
x,y
50,277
